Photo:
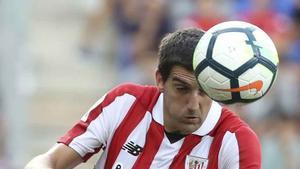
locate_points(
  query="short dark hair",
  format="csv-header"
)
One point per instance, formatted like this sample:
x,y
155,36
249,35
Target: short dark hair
x,y
176,49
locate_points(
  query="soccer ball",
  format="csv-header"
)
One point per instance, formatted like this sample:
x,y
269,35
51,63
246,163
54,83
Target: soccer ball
x,y
235,62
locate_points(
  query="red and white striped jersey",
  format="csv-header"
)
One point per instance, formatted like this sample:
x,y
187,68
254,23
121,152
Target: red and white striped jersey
x,y
127,123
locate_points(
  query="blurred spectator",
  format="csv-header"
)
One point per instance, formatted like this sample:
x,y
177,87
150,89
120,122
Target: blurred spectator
x,y
280,144
276,116
238,6
261,14
281,7
278,26
139,26
289,79
292,55
179,10
207,14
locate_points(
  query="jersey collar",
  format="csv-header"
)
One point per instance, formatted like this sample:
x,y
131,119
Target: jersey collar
x,y
157,112
211,120
209,123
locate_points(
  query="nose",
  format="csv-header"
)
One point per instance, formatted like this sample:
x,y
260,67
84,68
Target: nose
x,y
193,102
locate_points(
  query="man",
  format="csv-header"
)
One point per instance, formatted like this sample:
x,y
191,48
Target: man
x,y
171,125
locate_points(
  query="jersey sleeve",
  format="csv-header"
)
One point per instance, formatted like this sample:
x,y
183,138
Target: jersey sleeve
x,y
240,150
96,127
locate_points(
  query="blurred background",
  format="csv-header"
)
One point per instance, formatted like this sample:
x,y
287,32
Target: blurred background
x,y
58,57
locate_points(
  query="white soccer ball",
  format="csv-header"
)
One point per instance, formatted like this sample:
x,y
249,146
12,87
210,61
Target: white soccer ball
x,y
235,62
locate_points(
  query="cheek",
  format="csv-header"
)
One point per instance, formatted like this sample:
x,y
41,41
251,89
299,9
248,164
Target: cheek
x,y
173,104
206,103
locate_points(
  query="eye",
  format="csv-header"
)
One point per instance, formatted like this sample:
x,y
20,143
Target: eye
x,y
181,88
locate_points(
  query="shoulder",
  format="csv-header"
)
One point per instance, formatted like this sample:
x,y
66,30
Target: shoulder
x,y
231,122
238,142
145,94
132,89
125,95
235,129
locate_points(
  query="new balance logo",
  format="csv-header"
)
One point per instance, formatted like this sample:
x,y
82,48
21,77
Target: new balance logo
x,y
132,148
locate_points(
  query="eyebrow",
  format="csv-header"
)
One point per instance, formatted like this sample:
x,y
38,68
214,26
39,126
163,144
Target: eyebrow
x,y
177,79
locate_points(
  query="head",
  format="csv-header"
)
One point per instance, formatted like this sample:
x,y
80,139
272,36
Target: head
x,y
185,104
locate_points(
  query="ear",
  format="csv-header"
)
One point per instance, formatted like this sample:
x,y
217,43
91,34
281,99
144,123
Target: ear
x,y
159,80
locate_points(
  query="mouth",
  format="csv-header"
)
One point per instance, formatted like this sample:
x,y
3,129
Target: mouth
x,y
192,119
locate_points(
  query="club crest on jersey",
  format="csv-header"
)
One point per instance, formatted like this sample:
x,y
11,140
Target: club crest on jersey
x,y
194,162
132,148
117,166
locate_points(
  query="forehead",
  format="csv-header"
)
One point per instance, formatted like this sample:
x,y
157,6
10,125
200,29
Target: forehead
x,y
179,73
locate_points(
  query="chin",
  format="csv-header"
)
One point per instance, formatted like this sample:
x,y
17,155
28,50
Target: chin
x,y
189,129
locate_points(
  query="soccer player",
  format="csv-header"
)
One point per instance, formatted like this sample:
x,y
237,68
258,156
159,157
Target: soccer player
x,y
171,125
